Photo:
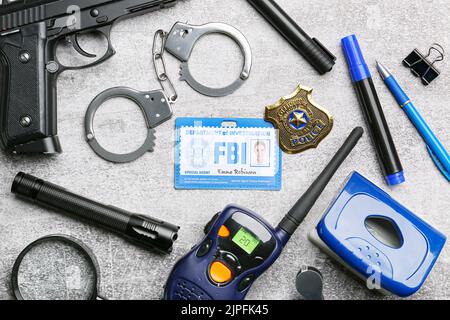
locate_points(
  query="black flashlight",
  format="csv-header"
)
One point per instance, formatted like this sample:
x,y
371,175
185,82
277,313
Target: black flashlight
x,y
145,231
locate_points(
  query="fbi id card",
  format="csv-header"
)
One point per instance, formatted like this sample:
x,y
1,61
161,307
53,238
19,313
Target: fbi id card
x,y
227,154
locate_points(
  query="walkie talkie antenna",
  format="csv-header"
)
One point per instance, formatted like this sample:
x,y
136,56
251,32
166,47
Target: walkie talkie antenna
x,y
301,209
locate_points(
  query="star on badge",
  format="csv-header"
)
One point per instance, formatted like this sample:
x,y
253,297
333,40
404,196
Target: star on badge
x,y
298,120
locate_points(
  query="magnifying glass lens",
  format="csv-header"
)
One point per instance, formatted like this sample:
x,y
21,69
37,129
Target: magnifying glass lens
x,y
56,270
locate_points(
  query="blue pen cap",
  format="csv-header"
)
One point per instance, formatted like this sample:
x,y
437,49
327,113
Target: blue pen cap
x,y
396,179
355,59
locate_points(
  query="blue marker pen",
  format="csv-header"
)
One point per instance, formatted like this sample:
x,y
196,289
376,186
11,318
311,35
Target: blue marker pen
x,y
437,151
376,120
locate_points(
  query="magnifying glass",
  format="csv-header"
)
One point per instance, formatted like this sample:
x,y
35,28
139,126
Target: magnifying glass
x,y
56,267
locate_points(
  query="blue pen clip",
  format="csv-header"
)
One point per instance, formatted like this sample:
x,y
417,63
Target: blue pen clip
x,y
438,164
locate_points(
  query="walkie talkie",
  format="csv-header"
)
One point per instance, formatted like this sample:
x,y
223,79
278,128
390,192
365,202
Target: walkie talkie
x,y
240,245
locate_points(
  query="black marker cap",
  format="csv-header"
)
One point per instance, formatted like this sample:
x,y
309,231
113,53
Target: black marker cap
x,y
310,48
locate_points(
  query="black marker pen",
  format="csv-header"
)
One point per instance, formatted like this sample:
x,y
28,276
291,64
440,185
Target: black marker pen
x,y
370,103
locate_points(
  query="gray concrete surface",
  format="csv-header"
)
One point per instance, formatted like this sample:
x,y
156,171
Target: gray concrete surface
x,y
388,31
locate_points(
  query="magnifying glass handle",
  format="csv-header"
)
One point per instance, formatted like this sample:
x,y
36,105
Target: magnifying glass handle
x,y
146,231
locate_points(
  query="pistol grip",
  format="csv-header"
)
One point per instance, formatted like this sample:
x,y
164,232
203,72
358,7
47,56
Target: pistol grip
x,y
27,93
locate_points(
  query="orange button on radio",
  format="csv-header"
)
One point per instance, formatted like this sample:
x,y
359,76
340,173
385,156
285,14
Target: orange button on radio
x,y
224,232
220,273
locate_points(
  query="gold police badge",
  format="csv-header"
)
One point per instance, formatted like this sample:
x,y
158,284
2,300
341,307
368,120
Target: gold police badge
x,y
301,122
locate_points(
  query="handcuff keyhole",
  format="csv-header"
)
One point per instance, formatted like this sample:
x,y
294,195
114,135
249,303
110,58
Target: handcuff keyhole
x,y
184,33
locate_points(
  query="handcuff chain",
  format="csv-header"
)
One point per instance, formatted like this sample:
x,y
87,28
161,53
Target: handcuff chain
x,y
160,66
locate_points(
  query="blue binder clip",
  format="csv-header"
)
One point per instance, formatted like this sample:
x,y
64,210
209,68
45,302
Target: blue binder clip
x,y
378,239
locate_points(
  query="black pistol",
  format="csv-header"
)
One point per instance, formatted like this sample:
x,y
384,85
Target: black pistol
x,y
30,31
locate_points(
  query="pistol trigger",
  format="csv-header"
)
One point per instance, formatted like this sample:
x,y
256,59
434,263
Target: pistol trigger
x,y
74,40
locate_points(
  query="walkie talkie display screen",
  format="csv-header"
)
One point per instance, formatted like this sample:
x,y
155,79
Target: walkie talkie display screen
x,y
246,241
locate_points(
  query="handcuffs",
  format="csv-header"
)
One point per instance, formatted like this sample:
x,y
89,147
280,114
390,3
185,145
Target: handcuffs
x,y
181,41
155,105
155,108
